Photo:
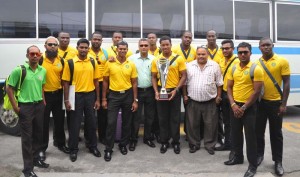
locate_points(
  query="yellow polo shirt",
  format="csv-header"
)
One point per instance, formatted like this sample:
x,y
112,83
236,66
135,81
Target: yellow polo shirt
x,y
217,54
278,67
72,52
112,51
223,65
120,74
156,53
83,76
174,70
53,75
101,59
190,55
243,84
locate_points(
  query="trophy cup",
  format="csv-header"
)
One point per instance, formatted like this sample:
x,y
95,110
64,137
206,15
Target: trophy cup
x,y
163,68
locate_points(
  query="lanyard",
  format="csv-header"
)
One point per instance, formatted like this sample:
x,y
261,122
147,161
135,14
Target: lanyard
x,y
186,55
212,56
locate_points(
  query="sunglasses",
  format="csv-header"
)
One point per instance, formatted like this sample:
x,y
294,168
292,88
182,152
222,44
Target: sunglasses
x,y
145,45
33,54
243,52
52,44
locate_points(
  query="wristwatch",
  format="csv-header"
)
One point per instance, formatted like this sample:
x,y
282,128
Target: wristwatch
x,y
136,100
244,108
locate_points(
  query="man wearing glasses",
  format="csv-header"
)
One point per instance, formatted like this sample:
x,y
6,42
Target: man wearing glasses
x,y
243,88
143,62
30,108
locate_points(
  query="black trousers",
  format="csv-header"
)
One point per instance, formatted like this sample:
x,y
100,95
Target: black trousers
x,y
225,105
247,121
117,101
169,119
54,105
102,118
84,104
31,118
268,110
146,101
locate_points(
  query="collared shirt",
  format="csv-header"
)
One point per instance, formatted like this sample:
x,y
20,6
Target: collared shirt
x,y
112,51
101,59
189,55
224,64
156,53
278,67
31,89
215,54
202,83
143,66
54,72
69,53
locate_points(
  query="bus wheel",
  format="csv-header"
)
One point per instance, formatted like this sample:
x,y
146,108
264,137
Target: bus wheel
x,y
9,122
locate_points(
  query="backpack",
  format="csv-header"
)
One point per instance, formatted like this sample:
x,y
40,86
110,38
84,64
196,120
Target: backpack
x,y
252,68
71,66
6,103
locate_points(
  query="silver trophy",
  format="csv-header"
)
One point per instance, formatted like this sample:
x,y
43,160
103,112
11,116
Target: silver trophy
x,y
163,68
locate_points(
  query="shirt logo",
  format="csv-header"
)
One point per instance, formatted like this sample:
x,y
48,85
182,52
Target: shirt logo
x,y
127,66
58,65
273,64
40,78
246,72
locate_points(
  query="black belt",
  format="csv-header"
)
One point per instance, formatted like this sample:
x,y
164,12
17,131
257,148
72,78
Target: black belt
x,y
145,89
120,92
30,103
271,101
53,92
202,102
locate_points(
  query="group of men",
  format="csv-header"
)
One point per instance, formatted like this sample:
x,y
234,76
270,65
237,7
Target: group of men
x,y
217,87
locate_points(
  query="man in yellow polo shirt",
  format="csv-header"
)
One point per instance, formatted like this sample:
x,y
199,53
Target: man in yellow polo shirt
x,y
243,91
120,81
153,49
273,103
65,51
101,56
169,110
84,78
53,96
184,49
116,38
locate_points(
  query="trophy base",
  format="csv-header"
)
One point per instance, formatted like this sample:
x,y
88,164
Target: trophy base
x,y
163,97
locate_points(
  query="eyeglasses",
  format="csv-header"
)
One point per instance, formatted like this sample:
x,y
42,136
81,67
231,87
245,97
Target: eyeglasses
x,y
243,52
144,45
33,54
225,48
52,44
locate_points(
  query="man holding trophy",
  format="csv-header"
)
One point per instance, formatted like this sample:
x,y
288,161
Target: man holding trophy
x,y
168,76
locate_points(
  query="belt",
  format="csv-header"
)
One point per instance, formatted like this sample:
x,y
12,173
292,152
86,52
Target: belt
x,y
204,101
31,103
53,92
145,89
120,92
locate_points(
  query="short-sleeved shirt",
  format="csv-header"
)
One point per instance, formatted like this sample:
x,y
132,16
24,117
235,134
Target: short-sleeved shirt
x,y
32,88
71,52
173,76
143,66
156,53
278,67
202,83
215,54
112,51
120,74
223,65
189,55
83,76
54,74
243,84
101,59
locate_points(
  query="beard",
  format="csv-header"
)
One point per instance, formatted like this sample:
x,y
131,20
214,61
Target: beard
x,y
51,54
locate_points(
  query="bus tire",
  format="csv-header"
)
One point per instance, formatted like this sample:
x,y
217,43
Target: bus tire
x,y
9,122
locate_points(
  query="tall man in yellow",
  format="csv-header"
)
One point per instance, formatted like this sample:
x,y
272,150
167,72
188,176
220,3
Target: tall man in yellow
x,y
169,110
65,51
120,78
273,103
153,49
184,49
116,38
101,56
243,91
53,96
84,77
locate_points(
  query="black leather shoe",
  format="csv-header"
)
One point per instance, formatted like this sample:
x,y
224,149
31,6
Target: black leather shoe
x,y
210,151
279,169
234,161
231,155
176,149
107,155
250,172
193,149
259,160
164,148
40,164
42,156
95,152
132,146
123,150
30,174
222,148
73,156
149,143
64,149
